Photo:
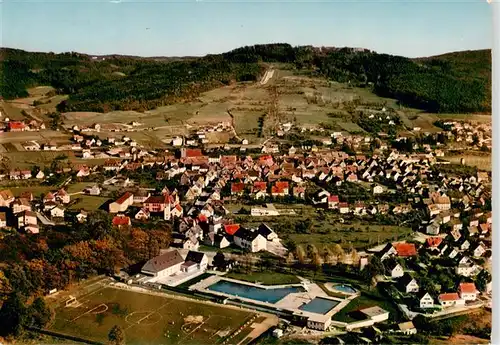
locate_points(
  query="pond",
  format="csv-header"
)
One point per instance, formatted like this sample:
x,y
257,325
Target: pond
x,y
271,295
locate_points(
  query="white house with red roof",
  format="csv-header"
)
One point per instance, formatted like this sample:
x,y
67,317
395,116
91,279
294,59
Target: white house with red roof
x,y
450,299
122,203
468,291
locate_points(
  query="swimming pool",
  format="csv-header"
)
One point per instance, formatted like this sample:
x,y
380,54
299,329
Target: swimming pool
x,y
252,292
345,288
319,305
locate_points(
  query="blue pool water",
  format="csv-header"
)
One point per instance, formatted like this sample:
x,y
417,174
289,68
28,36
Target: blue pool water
x,y
344,288
253,292
319,305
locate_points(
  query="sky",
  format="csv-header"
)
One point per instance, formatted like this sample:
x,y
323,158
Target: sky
x,y
198,27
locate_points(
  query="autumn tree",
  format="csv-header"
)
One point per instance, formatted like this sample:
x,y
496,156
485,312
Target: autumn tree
x,y
301,255
40,313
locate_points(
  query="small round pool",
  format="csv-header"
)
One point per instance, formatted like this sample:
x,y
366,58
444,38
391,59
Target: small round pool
x,y
345,289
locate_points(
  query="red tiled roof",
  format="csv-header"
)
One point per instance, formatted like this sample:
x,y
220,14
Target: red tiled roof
x,y
193,153
451,296
202,218
157,199
237,187
16,125
333,198
231,228
281,185
467,287
259,186
434,241
121,220
405,249
124,197
343,204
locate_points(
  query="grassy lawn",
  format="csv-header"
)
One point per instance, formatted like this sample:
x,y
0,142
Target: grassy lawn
x,y
88,202
78,187
366,300
36,190
266,278
147,319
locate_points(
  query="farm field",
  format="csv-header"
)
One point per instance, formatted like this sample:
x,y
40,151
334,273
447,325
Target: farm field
x,y
36,190
147,318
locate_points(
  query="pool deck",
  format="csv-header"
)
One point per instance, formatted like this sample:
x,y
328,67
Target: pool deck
x,y
291,302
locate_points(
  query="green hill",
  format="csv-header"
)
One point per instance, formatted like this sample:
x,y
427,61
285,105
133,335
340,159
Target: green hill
x,y
452,83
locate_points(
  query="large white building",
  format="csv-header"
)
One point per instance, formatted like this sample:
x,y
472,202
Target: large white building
x,y
163,265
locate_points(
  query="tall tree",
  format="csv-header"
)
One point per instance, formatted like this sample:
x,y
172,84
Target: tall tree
x,y
13,315
116,336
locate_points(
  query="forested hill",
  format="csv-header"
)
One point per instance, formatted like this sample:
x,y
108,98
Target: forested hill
x,y
455,82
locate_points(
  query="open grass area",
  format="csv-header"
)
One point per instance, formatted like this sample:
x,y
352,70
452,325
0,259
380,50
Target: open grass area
x,y
36,190
147,318
365,301
87,202
266,278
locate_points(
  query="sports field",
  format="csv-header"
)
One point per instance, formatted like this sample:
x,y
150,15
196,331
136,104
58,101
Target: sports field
x,y
147,318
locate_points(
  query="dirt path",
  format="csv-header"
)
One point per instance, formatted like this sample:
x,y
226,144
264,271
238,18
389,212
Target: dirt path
x,y
266,77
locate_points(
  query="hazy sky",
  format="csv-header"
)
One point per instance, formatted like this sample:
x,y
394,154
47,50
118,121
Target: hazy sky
x,y
176,28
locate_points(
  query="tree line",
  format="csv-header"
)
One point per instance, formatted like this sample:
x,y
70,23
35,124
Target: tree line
x,y
459,82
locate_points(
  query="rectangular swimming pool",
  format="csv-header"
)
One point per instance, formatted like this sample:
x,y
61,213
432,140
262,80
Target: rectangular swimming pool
x,y
252,292
319,305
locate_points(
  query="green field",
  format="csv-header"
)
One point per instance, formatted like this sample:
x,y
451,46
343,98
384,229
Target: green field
x,y
36,190
365,301
266,278
147,318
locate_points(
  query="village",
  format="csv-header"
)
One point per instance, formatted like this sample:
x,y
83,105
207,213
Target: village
x,y
220,203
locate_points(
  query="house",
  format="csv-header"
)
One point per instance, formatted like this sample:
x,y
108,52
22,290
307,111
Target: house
x,y
237,188
216,240
405,249
195,259
163,265
20,205
264,210
142,214
299,192
57,212
6,198
259,189
250,240
333,201
396,270
63,196
467,291
156,203
280,188
432,229
82,216
479,250
122,203
450,299
267,232
344,207
120,221
320,197
3,219
408,283
231,229
425,300
94,190
26,218
407,328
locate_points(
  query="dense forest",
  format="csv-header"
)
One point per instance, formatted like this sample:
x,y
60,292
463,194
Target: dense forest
x,y
455,82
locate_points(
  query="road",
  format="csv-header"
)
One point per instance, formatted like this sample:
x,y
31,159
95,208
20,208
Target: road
x,y
267,76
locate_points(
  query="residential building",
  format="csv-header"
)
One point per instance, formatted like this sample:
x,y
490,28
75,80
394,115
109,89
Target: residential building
x,y
122,203
250,240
